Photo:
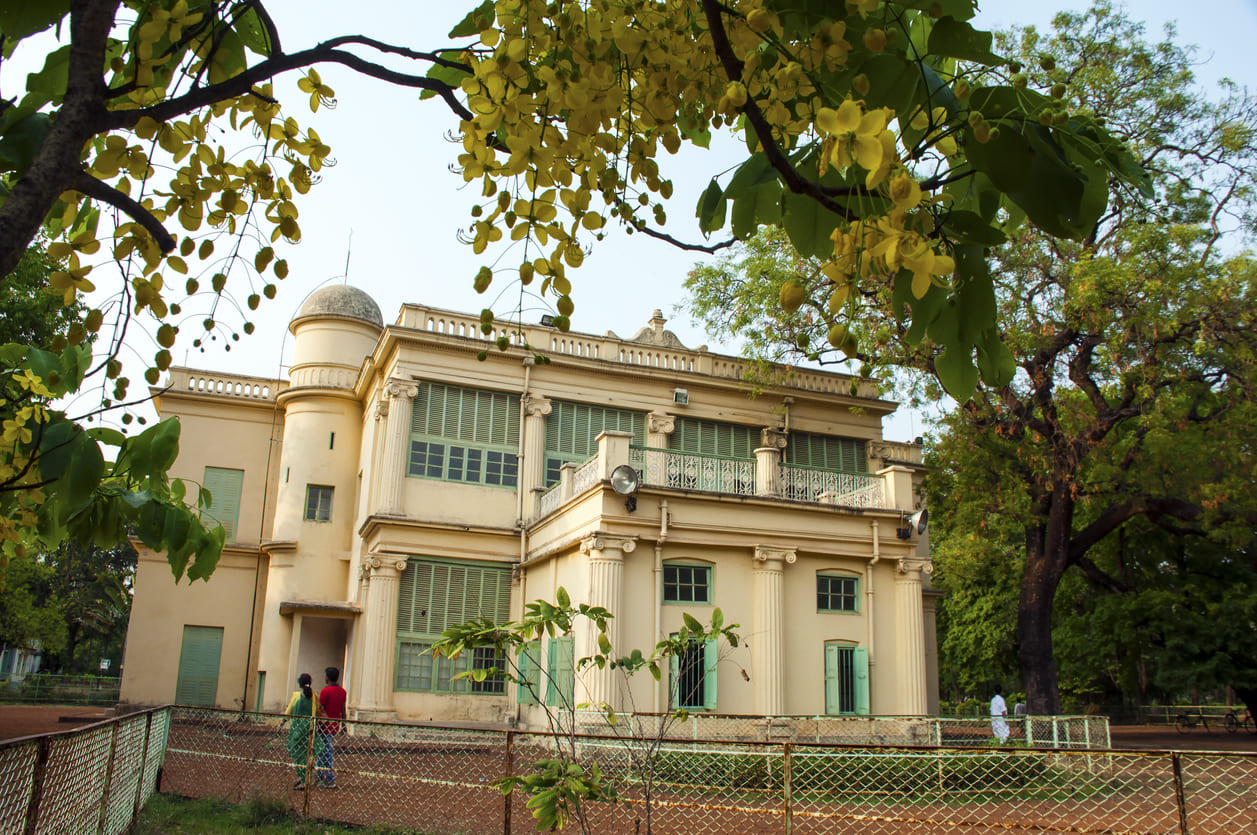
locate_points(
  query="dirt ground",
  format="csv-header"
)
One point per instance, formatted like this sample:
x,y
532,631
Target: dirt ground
x,y
28,720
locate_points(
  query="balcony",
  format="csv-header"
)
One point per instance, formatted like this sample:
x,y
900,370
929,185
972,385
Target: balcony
x,y
765,477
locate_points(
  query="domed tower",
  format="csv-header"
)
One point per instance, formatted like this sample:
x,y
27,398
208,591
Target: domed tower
x,y
308,609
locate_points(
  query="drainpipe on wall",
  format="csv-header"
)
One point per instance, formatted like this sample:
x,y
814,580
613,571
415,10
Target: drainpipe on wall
x,y
517,609
663,535
877,554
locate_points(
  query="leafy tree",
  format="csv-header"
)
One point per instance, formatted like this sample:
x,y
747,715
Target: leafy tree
x,y
31,615
31,313
1124,343
559,788
93,587
885,138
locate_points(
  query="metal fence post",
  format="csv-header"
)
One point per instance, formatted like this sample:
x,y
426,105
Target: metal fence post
x,y
109,766
37,785
510,772
786,781
139,783
1179,796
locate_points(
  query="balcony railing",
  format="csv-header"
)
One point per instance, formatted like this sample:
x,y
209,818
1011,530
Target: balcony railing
x,y
694,471
851,489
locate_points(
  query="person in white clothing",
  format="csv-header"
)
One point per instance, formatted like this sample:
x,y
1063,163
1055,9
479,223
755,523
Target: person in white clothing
x,y
999,710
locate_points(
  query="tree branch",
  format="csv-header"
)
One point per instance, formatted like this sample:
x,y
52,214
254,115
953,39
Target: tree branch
x,y
92,187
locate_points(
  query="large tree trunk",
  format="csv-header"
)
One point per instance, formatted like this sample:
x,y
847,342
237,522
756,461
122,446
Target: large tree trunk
x,y
1047,551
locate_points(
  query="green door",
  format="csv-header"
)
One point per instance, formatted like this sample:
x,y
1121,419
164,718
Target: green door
x,y
846,680
198,665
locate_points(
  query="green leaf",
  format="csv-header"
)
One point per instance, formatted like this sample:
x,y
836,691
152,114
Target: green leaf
x,y
692,623
996,362
957,373
20,18
453,76
477,19
808,225
969,227
957,39
561,597
20,143
711,209
253,34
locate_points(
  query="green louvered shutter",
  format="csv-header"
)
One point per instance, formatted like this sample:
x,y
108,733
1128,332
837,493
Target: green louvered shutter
x,y
706,437
529,685
827,452
710,677
561,673
572,431
224,486
199,660
860,663
833,703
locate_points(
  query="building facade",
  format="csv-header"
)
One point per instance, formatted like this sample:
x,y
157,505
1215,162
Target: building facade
x,y
410,477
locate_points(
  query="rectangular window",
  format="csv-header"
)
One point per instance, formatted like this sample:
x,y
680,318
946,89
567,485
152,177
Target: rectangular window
x,y
318,503
224,486
846,680
466,435
694,677
837,593
572,431
434,595
199,660
686,583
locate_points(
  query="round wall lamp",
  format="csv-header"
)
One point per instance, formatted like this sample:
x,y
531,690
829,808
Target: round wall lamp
x,y
625,481
916,522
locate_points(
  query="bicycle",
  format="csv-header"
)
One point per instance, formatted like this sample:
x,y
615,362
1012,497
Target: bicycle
x,y
1234,723
1187,722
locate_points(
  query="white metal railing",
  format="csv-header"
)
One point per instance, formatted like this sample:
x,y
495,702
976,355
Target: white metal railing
x,y
850,489
549,501
694,471
585,477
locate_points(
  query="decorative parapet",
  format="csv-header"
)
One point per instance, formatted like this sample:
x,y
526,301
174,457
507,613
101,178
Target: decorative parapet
x,y
611,348
895,452
235,386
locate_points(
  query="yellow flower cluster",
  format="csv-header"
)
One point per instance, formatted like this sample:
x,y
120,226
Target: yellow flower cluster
x,y
574,99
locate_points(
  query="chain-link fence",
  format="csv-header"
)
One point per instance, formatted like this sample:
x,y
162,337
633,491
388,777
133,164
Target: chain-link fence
x,y
1032,731
93,780
442,780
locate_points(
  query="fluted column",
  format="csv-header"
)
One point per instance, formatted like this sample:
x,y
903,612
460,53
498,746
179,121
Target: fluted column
x,y
606,589
768,628
379,626
659,428
400,395
910,617
533,475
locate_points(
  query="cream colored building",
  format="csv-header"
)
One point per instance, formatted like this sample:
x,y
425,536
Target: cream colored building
x,y
398,483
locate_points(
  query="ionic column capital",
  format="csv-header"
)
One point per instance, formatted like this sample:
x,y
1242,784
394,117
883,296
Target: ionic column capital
x,y
764,556
660,423
537,407
376,564
773,438
913,567
401,389
604,544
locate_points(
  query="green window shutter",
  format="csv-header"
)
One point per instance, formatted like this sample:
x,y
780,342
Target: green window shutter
x,y
706,437
199,660
560,673
861,681
710,659
827,452
832,704
572,431
224,486
529,684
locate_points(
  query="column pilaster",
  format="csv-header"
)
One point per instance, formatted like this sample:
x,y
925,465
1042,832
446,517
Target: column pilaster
x,y
533,474
397,399
909,611
768,628
379,621
659,429
606,589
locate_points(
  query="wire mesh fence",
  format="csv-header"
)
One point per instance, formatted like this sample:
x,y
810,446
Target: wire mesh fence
x,y
443,780
93,780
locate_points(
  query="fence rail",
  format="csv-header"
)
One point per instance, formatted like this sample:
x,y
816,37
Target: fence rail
x,y
92,780
441,780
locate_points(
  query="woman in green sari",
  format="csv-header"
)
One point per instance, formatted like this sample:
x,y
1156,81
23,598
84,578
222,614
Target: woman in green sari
x,y
303,746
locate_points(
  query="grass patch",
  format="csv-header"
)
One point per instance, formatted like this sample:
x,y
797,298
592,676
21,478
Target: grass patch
x,y
166,814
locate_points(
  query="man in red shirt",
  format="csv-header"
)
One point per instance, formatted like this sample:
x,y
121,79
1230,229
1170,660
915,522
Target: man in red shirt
x,y
332,700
